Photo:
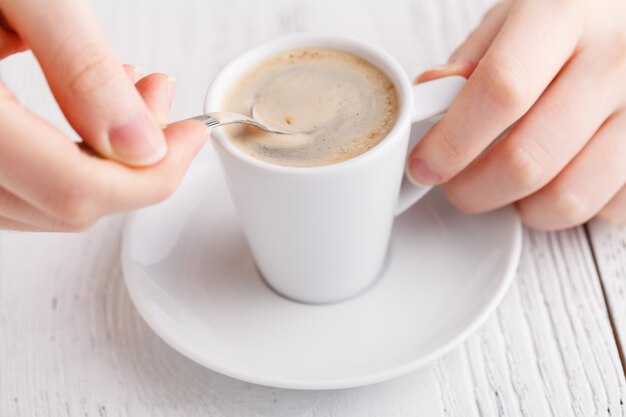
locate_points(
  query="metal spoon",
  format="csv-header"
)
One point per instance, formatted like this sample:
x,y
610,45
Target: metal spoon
x,y
215,119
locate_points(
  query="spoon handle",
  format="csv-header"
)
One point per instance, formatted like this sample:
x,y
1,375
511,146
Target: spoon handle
x,y
220,118
207,119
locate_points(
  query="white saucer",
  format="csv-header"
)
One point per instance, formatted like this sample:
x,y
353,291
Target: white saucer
x,y
190,274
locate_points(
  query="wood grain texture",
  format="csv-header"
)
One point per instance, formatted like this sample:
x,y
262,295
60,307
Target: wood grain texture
x,y
609,244
72,344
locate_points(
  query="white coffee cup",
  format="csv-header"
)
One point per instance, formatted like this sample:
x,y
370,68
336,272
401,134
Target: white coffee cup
x,y
320,234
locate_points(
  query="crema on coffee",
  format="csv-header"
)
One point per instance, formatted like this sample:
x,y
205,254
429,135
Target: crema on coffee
x,y
337,105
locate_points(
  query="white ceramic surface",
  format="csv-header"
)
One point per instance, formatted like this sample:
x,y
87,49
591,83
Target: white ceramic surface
x,y
320,234
190,273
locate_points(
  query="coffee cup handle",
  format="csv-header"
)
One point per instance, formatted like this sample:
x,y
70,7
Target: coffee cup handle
x,y
430,99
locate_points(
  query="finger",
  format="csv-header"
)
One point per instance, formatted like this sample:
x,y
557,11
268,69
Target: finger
x,y
615,211
464,59
543,142
10,43
10,224
87,81
535,41
133,73
17,210
55,177
576,195
157,91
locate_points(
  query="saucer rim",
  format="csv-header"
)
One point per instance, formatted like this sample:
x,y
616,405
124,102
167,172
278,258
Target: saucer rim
x,y
481,317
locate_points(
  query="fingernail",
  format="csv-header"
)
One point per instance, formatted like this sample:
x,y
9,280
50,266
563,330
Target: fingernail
x,y
138,142
420,173
463,68
171,87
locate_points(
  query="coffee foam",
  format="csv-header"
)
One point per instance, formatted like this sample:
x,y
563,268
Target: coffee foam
x,y
341,104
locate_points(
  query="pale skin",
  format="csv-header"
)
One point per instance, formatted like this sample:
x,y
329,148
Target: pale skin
x,y
554,70
47,183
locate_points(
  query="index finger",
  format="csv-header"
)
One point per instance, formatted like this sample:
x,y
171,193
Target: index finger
x,y
534,43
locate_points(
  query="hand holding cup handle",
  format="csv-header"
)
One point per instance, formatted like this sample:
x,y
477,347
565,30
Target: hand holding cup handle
x,y
430,99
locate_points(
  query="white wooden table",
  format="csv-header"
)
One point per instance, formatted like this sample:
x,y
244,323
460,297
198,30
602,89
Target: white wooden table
x,y
72,344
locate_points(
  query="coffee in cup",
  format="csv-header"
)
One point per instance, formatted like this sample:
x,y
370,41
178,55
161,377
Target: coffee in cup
x,y
338,106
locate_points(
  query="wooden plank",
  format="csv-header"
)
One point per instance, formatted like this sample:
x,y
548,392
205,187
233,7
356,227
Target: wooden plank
x,y
549,350
609,247
71,343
